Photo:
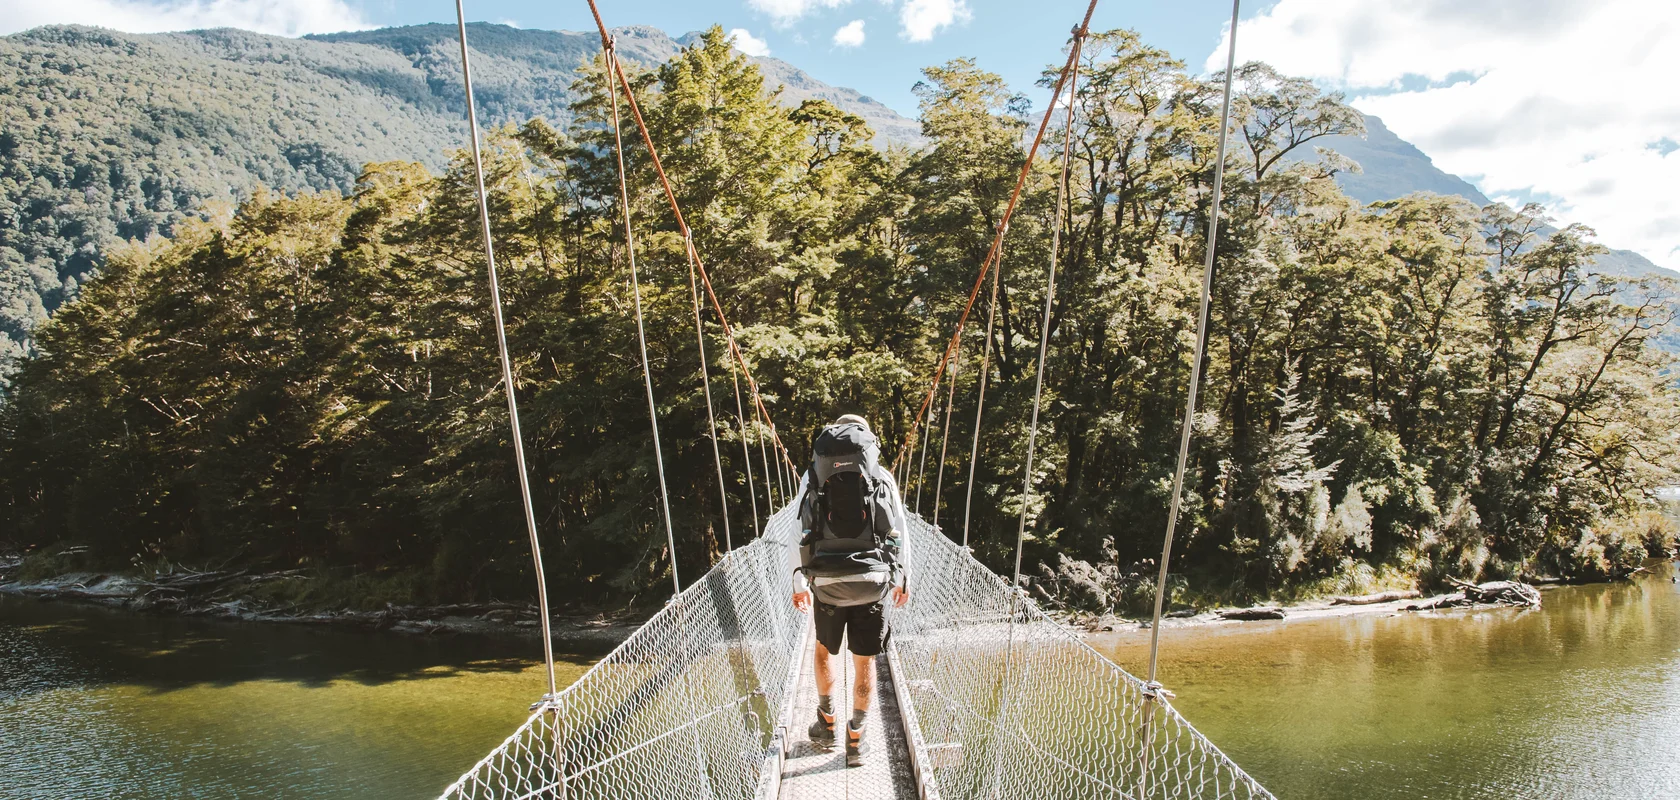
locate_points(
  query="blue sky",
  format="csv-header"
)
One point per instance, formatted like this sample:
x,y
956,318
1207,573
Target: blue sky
x,y
1014,39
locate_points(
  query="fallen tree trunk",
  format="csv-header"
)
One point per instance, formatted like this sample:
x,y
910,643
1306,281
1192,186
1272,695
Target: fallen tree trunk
x,y
1509,593
1493,593
1372,599
1454,600
1246,614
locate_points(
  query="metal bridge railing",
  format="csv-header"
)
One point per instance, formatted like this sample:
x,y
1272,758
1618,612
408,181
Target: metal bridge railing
x,y
684,708
1005,702
1011,704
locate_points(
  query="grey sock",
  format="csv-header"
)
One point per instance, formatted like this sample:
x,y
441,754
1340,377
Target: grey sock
x,y
825,704
858,716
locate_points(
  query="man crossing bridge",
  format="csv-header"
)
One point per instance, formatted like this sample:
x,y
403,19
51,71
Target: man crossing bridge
x,y
851,560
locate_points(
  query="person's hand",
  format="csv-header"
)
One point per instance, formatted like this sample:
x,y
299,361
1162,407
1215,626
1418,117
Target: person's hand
x,y
900,596
802,601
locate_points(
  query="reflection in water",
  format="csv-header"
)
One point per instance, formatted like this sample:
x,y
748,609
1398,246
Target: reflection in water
x,y
1580,699
95,703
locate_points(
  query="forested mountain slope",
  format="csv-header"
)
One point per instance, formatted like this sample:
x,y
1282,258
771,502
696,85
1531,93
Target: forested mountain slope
x,y
312,383
108,136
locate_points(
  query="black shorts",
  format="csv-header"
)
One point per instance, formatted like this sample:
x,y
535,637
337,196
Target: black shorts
x,y
865,627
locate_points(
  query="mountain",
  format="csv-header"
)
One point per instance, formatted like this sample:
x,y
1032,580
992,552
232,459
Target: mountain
x,y
525,73
108,136
1392,167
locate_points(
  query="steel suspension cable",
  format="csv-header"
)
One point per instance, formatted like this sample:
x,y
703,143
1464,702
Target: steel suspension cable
x,y
746,452
980,400
921,474
1196,358
945,436
1062,202
641,331
993,254
1016,594
617,69
711,418
507,362
764,459
782,476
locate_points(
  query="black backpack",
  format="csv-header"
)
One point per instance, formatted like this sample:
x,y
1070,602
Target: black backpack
x,y
842,474
845,509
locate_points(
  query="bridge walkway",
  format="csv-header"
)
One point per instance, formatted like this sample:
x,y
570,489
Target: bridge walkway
x,y
809,773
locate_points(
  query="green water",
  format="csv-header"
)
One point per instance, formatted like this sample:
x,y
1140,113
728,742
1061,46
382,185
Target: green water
x,y
105,704
1580,699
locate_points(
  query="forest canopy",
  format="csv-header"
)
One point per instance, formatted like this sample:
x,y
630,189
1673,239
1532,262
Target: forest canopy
x,y
1417,388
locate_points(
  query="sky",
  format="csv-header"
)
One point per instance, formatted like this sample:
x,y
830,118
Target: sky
x,y
1563,102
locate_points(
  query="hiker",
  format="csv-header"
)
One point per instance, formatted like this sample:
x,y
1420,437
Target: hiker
x,y
851,560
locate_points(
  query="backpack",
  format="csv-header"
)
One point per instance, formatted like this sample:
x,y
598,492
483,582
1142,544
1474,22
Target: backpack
x,y
844,509
842,470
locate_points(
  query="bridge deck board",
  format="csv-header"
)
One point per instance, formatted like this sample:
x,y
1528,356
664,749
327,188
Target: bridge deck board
x,y
809,773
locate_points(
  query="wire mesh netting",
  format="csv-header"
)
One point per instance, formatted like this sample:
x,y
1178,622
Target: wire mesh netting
x,y
684,708
1007,702
1010,704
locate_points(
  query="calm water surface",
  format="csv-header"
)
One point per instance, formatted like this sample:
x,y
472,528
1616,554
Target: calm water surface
x,y
106,704
1578,700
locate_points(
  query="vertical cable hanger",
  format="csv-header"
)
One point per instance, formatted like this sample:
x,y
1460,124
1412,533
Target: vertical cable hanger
x,y
993,256
1153,692
507,364
1062,202
1196,359
706,385
616,69
1070,79
746,452
980,401
945,436
641,330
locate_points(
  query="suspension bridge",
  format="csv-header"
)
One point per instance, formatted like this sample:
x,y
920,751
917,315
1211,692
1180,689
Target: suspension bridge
x,y
981,695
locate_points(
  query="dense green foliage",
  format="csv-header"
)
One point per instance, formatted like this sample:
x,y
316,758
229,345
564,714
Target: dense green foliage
x,y
1419,386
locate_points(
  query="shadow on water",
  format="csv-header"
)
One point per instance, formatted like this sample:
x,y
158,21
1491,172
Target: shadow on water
x,y
97,702
93,645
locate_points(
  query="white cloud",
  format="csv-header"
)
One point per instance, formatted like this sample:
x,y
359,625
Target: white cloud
x,y
786,12
747,43
850,34
1547,99
921,19
282,17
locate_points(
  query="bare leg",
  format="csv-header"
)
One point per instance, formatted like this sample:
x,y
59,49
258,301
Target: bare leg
x,y
823,666
863,687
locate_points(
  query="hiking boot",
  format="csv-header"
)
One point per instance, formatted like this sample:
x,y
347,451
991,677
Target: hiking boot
x,y
854,746
822,731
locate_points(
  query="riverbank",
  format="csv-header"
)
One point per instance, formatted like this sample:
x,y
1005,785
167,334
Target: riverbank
x,y
1471,597
240,596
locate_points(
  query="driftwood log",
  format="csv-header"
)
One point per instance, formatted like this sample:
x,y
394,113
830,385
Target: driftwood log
x,y
1257,612
1493,593
1372,599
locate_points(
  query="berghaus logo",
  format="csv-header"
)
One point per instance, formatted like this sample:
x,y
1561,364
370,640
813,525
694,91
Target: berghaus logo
x,y
844,463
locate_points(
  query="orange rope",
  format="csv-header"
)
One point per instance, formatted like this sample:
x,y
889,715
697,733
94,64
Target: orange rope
x,y
996,250
688,236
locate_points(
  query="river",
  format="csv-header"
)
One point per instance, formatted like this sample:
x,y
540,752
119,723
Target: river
x,y
1580,699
